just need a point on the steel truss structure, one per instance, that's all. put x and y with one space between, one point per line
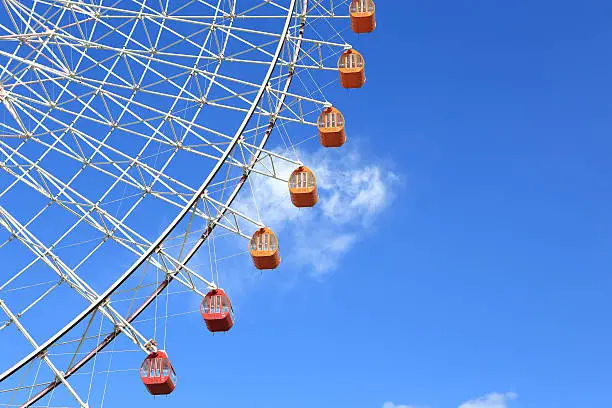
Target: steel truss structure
116 110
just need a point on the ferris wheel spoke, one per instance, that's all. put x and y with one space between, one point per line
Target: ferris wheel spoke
66 274
126 127
9 13
30 63
91 17
24 387
37 58
112 96
93 140
265 158
87 208
298 98
59 375
90 100
58 58
83 210
326 8
53 188
145 50
10 106
115 126
318 42
289 114
140 185
33 303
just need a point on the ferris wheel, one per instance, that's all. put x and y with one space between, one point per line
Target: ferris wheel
133 134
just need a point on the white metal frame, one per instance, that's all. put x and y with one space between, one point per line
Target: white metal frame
19 166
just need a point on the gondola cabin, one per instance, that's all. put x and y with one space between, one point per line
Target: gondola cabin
303 187
216 310
351 67
363 19
264 249
331 128
157 374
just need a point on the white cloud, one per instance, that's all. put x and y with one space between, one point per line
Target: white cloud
322 250
392 405
355 193
352 192
493 400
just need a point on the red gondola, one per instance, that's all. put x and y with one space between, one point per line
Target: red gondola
217 312
157 374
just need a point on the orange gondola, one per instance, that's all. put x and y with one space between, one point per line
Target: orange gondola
303 187
264 249
157 374
351 67
363 19
331 128
216 310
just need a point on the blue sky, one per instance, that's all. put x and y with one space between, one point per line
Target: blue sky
488 272
473 272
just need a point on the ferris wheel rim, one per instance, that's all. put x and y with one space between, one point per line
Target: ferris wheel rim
291 14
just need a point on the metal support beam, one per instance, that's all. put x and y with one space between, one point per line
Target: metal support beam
58 374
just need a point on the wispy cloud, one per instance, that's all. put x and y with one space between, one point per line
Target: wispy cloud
392 405
493 400
352 192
